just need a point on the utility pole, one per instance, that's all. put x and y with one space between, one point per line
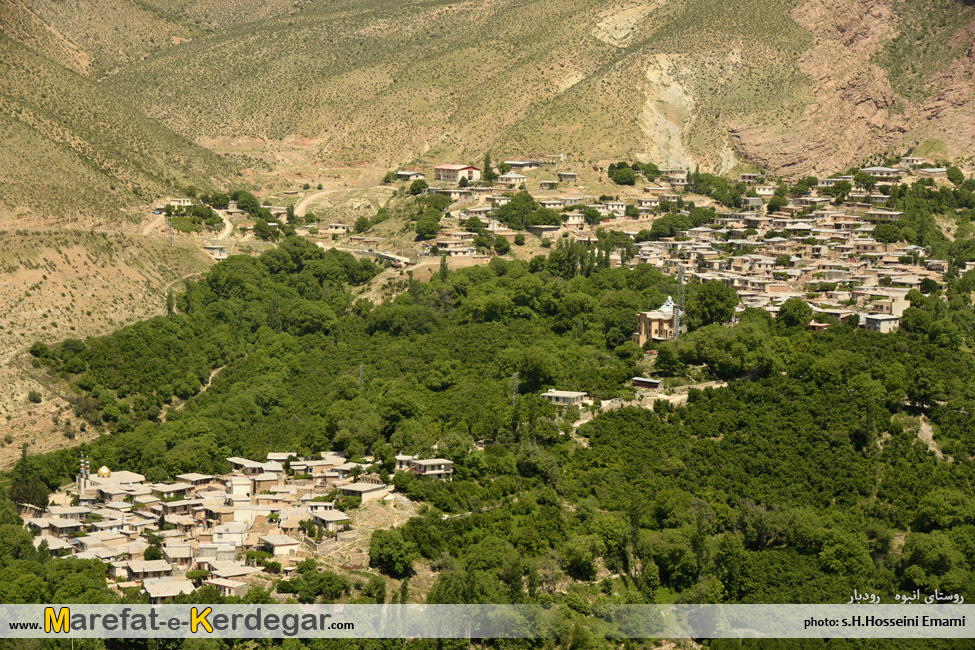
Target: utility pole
360 376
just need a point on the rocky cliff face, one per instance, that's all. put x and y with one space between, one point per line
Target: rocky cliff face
854 110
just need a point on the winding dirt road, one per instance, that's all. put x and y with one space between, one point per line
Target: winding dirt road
302 206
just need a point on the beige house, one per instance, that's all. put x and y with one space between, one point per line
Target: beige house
410 176
228 587
147 569
880 322
279 545
453 173
440 468
331 520
365 491
657 325
160 591
564 397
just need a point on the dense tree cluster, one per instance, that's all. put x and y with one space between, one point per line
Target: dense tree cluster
792 484
523 211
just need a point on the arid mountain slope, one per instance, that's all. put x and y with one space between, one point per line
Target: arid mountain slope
873 92
72 284
794 86
72 148
92 37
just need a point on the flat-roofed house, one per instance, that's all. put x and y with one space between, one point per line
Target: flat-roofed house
751 203
170 490
410 176
238 486
56 526
216 552
109 525
331 520
264 481
911 161
567 177
233 533
279 545
145 569
194 479
56 547
403 462
523 164
511 180
454 193
161 591
439 468
345 469
70 512
102 538
880 322
564 397
281 456
365 491
245 466
884 173
883 216
179 556
180 506
453 173
228 587
231 570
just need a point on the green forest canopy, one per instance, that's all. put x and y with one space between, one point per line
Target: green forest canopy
796 483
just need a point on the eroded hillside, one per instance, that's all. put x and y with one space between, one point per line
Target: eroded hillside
72 150
72 284
794 86
95 93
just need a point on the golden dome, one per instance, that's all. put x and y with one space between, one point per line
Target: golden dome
104 472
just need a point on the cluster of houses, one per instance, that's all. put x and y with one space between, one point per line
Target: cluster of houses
810 248
207 524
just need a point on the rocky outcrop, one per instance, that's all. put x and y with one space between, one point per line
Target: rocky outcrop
855 110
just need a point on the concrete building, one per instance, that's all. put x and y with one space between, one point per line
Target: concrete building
440 468
453 173
564 397
657 325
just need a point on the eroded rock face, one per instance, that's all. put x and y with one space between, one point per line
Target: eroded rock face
854 109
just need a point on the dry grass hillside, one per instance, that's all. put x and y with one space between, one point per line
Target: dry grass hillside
71 148
92 37
72 284
791 84
93 94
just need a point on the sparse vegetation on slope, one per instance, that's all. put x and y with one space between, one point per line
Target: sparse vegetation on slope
70 146
932 34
